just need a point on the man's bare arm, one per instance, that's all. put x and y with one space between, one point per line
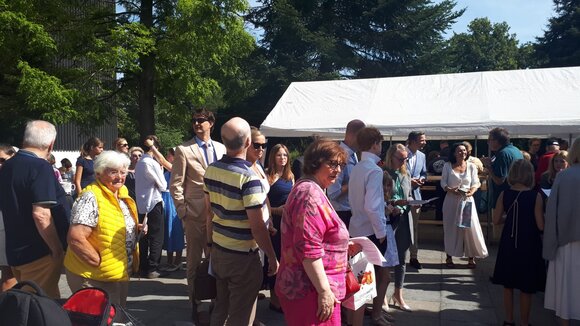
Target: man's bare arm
45 225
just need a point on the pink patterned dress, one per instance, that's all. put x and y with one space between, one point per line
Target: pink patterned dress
310 229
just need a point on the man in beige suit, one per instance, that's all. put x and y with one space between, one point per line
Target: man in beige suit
186 186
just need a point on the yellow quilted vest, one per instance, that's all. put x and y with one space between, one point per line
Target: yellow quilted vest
108 238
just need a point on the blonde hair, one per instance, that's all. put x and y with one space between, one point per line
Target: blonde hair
398 147
551 170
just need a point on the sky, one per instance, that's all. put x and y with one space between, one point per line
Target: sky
526 18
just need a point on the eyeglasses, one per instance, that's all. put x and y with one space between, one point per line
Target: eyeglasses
200 120
258 145
335 164
116 173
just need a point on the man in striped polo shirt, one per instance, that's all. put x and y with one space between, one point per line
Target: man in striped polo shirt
236 228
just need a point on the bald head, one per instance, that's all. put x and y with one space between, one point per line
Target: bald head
352 128
236 134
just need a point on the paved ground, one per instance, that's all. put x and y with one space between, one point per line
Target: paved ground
438 295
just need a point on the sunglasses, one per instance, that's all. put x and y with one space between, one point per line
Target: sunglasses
335 164
200 120
401 159
124 145
260 146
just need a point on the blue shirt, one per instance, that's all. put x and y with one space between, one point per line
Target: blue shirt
26 180
340 200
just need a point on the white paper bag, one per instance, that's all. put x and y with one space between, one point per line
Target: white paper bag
365 273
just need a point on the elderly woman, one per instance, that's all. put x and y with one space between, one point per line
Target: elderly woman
460 182
402 225
562 241
103 234
311 276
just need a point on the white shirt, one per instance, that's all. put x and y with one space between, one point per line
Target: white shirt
366 198
149 183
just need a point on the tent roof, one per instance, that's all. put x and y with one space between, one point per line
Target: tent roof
526 102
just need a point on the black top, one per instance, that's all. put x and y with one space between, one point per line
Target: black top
25 180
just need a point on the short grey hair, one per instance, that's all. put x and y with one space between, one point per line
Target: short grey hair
111 160
39 134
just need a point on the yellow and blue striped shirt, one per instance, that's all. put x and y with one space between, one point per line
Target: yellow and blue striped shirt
233 187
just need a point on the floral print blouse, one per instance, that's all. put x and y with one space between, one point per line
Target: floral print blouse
311 229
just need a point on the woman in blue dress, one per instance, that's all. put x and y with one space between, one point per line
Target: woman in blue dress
281 180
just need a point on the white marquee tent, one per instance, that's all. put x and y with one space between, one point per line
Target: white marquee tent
526 102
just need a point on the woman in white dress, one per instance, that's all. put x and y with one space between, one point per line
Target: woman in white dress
562 241
460 181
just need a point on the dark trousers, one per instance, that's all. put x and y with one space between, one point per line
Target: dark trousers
345 217
150 246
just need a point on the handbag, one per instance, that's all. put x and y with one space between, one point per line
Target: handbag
464 214
352 284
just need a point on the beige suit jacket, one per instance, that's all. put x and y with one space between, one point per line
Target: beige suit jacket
186 184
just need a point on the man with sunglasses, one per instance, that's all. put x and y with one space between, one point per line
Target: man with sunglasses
338 191
186 186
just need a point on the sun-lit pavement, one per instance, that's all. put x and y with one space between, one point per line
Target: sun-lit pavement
438 295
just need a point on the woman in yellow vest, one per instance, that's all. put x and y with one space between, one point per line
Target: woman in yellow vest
102 239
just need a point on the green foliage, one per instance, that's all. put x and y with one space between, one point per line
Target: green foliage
44 95
485 47
560 45
48 66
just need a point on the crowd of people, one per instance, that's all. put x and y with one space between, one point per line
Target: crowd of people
267 226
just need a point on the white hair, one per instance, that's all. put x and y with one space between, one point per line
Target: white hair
39 134
111 160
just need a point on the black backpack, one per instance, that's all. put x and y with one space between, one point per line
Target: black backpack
22 308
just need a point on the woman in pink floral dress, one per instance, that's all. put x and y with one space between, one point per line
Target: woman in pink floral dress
315 246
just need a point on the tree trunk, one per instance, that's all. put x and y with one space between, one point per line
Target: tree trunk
146 79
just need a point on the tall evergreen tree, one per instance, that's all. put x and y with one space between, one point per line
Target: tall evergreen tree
329 39
560 45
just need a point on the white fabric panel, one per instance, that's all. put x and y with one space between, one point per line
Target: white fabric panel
526 102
